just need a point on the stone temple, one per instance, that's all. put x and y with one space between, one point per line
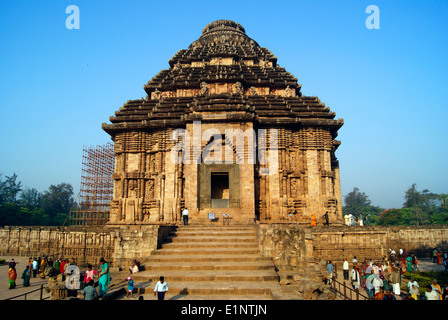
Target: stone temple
224 130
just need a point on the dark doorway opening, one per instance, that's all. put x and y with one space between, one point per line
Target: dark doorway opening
220 192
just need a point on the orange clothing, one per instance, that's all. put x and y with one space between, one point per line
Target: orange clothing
313 220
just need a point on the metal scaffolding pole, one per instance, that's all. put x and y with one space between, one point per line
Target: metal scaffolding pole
92 205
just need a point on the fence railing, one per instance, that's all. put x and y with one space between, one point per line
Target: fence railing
346 292
41 289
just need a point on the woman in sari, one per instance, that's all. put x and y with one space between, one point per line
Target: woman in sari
436 287
313 220
12 274
409 264
26 275
104 276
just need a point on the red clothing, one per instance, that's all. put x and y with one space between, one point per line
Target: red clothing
89 275
61 267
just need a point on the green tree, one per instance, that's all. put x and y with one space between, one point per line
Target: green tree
9 189
30 198
58 199
355 202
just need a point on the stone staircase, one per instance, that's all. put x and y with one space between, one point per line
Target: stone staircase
211 262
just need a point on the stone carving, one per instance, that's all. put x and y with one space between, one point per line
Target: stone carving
238 88
204 89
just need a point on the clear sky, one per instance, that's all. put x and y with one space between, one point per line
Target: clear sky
390 85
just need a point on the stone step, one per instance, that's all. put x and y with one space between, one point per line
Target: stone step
208 245
222 290
215 233
205 251
207 265
207 276
205 258
211 238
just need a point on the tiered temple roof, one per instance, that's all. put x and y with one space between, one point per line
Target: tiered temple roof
223 71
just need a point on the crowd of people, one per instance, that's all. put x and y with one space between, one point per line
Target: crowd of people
383 280
74 280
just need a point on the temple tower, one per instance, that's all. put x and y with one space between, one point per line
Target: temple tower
224 130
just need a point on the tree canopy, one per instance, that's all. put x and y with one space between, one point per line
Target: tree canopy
23 206
419 208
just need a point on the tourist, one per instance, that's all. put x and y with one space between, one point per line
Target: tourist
62 266
12 275
104 276
345 269
130 289
89 292
439 257
431 294
42 267
89 274
347 220
414 292
26 275
57 264
411 283
369 285
313 220
35 266
355 278
380 294
395 281
434 256
445 291
185 216
326 223
445 264
436 287
415 263
409 264
135 266
377 283
12 263
389 296
161 289
330 272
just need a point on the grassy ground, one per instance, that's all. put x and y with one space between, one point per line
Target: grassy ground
424 278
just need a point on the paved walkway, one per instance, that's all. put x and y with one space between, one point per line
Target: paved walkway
35 283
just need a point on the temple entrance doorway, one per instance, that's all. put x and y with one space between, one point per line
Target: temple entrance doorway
220 190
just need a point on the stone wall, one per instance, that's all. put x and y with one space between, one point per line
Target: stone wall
295 248
117 244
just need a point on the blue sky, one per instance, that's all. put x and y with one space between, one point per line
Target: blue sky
389 85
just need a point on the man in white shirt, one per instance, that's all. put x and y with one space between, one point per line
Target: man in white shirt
411 283
345 269
431 294
185 216
161 288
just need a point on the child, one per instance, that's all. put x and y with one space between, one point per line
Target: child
130 287
89 274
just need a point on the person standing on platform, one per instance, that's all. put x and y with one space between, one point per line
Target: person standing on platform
185 216
345 269
313 220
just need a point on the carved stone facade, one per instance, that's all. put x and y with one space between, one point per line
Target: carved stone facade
179 146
